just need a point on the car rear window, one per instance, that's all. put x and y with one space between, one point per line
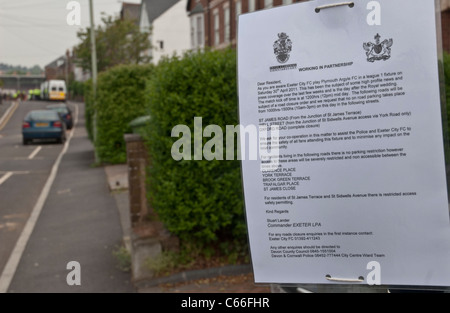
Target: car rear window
61 110
42 116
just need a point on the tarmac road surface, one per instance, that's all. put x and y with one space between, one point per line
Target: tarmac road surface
78 220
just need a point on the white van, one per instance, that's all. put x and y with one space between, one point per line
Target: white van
56 90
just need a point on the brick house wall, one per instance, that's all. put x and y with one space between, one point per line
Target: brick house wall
55 72
216 9
445 21
211 8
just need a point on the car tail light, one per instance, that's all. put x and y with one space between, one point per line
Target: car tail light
26 125
57 124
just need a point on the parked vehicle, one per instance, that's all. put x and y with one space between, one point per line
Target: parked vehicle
64 111
43 124
44 90
54 90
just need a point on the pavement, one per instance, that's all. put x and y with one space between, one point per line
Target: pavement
227 279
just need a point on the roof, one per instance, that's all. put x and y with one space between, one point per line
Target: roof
55 63
156 8
188 5
130 11
197 9
445 4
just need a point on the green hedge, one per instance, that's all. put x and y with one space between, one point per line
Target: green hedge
76 90
199 201
120 99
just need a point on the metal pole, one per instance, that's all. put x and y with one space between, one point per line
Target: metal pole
94 75
67 74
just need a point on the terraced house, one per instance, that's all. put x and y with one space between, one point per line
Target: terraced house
213 23
445 19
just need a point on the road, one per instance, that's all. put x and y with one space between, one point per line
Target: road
75 217
21 178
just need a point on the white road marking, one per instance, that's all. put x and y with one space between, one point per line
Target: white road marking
61 192
9 226
33 154
16 172
26 158
14 216
5 177
14 259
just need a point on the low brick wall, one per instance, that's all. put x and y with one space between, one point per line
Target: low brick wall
137 160
149 237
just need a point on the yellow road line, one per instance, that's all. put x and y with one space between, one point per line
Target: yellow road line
9 113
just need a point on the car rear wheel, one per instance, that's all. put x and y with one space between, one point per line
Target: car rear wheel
25 141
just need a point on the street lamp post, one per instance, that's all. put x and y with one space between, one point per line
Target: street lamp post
94 74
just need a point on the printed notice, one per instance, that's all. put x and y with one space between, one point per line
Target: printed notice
350 99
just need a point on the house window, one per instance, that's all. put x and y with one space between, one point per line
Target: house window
238 8
251 5
216 28
197 37
268 3
287 2
227 24
199 32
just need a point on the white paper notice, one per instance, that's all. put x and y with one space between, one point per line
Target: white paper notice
359 187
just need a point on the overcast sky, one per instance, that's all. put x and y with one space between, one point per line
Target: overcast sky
35 32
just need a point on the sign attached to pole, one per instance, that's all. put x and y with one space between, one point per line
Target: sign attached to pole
348 96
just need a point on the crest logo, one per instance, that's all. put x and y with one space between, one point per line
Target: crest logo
282 48
378 50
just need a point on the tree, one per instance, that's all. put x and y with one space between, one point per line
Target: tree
118 42
36 70
21 70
